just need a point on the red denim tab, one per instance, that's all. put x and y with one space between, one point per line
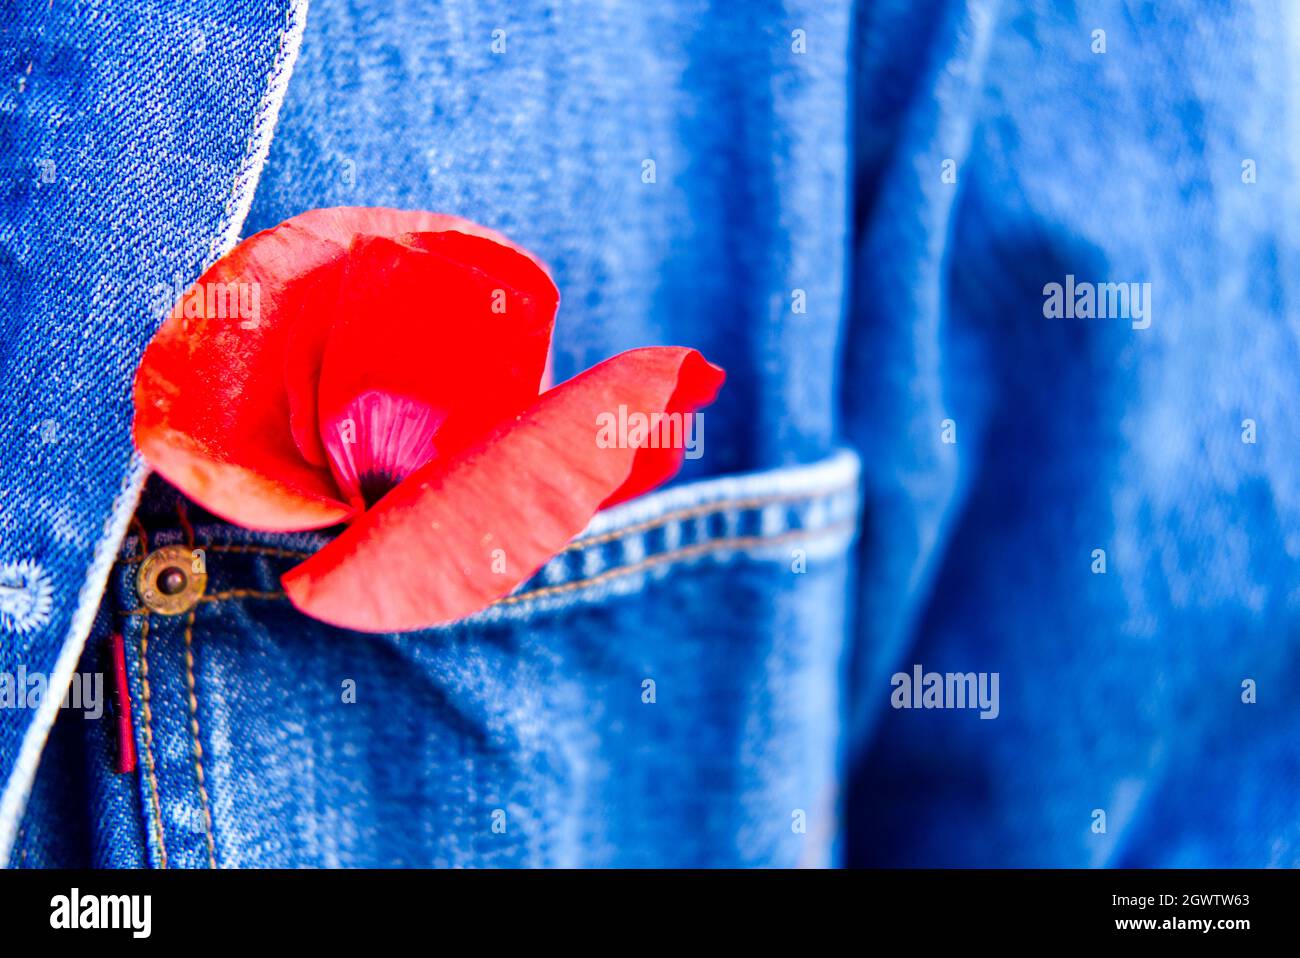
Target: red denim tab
125 762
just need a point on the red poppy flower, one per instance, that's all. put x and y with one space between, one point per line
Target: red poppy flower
384 369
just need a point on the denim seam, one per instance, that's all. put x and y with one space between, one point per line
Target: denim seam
147 712
193 702
148 740
734 543
705 509
686 553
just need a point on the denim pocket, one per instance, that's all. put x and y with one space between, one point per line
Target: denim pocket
666 691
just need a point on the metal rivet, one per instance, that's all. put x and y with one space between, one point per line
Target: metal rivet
168 582
171 580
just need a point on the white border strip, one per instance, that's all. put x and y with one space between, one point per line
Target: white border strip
19 786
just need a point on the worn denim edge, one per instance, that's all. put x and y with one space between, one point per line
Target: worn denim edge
235 211
838 470
813 505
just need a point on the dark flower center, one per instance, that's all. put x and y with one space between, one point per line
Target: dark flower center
376 485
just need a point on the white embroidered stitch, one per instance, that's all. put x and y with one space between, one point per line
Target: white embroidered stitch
26 596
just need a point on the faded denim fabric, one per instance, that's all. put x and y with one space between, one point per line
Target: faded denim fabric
1121 693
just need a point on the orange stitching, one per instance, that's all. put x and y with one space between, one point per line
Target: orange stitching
148 738
705 509
687 552
241 594
240 547
194 731
215 597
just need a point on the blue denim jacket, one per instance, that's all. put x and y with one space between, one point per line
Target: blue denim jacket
856 213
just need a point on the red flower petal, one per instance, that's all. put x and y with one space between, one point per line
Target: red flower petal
428 337
433 347
211 412
659 461
307 334
226 405
428 552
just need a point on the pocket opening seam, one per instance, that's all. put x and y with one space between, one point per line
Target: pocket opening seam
668 518
685 553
